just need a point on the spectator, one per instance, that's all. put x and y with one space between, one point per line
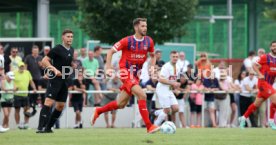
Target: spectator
46 50
33 65
221 99
158 55
248 62
249 86
151 86
238 82
191 74
23 79
15 59
101 73
77 66
180 97
196 103
7 98
211 84
78 100
182 62
221 66
203 66
112 85
144 77
83 54
5 60
91 67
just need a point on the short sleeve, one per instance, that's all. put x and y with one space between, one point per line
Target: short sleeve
151 48
30 76
165 72
120 45
53 52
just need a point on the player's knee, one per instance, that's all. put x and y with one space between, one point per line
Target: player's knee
142 96
175 109
60 107
121 105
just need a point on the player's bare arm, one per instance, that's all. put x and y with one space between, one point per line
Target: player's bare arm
108 66
47 64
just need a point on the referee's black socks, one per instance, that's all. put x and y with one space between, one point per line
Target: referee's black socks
43 117
53 118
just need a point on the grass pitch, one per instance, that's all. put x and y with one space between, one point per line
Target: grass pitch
129 136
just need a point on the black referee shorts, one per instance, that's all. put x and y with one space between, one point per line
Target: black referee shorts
57 89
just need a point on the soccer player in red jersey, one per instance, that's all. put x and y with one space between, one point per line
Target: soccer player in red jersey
265 68
134 53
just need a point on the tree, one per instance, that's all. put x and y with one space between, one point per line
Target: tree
270 10
111 20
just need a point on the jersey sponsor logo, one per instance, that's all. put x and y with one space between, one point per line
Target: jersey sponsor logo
138 56
272 69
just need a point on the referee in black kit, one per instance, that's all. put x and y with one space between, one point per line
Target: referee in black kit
59 57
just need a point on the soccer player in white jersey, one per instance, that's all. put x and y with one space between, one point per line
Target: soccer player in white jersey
164 90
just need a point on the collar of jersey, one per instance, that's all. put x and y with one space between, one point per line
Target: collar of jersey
138 39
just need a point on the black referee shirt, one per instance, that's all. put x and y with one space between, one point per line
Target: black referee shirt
61 57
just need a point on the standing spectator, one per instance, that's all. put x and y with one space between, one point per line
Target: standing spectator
196 103
33 65
101 75
248 62
23 79
151 86
182 62
83 54
191 74
203 66
78 100
145 76
112 85
180 97
76 69
15 59
7 98
5 60
221 100
46 50
221 67
91 67
211 84
158 55
249 86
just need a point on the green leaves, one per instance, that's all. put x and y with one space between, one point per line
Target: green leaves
111 20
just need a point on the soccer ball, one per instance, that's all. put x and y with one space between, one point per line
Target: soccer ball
168 127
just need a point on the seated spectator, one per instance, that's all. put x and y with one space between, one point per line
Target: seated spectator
7 98
78 100
112 85
180 97
211 84
23 79
196 103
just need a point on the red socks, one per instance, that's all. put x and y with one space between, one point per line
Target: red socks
272 110
144 112
108 107
250 110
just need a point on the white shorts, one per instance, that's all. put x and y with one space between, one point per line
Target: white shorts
181 105
165 98
209 105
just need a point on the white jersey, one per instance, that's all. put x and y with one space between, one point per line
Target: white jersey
164 92
169 72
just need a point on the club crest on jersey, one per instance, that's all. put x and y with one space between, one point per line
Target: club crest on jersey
145 47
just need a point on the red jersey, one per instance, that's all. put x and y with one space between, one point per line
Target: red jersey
134 52
268 67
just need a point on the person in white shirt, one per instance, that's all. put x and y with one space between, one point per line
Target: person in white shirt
182 63
164 90
144 77
248 62
248 88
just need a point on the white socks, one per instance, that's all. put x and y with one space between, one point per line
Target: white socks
161 117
